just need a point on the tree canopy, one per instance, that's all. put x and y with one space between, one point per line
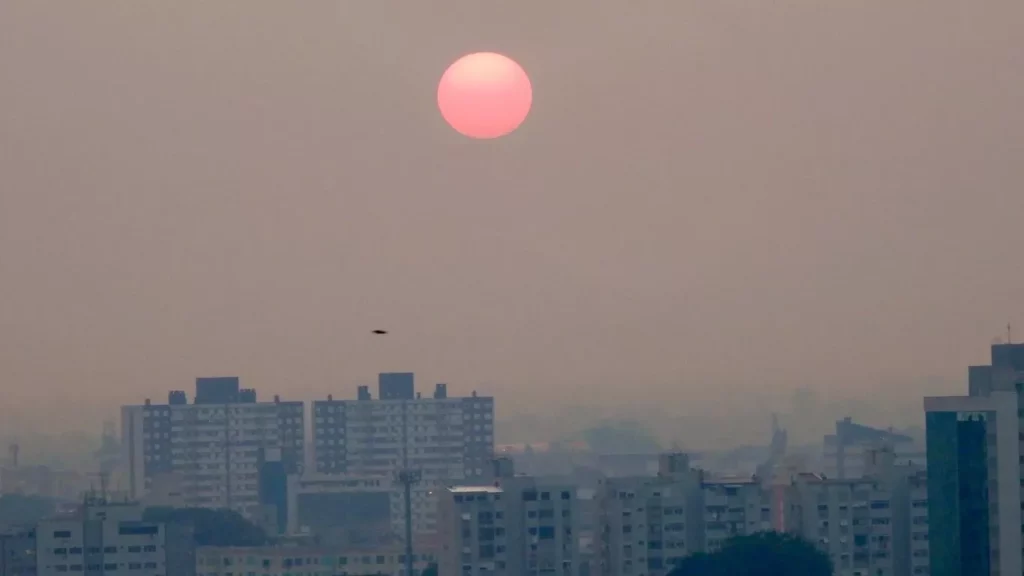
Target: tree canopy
429 570
762 554
211 527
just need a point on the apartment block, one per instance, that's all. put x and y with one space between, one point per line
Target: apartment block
445 439
212 447
519 525
649 523
732 508
105 538
875 525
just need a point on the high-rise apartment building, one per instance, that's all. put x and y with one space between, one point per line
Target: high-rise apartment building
214 446
445 439
517 525
874 525
647 524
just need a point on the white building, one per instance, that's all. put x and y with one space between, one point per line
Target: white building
520 525
447 440
112 539
212 447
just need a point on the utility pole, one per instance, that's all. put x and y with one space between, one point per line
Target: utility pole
407 478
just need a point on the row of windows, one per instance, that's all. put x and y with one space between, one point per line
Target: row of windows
74 551
105 567
291 562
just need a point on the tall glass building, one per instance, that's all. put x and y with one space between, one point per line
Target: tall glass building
974 484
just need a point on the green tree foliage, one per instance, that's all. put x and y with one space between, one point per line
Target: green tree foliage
762 554
429 570
19 510
211 527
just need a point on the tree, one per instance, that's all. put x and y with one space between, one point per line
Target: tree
211 527
430 570
762 554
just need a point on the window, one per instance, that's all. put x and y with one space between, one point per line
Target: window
62 534
128 530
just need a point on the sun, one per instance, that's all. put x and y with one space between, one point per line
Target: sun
485 95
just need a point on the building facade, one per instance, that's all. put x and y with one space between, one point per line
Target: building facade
445 439
108 538
918 563
519 525
647 524
850 520
18 553
732 508
974 483
295 561
213 447
336 507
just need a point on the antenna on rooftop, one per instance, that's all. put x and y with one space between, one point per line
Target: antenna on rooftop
1009 333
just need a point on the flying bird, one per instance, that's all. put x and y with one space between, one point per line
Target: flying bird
380 331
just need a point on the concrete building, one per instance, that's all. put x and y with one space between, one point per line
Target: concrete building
974 481
866 525
732 508
304 561
649 523
214 446
519 525
18 553
850 520
445 439
107 538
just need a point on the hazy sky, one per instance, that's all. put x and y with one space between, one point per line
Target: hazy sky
709 199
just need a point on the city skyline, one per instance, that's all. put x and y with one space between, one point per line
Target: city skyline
753 200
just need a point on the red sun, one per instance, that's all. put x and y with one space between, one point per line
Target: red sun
484 95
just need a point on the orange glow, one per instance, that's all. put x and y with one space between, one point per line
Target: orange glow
484 95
